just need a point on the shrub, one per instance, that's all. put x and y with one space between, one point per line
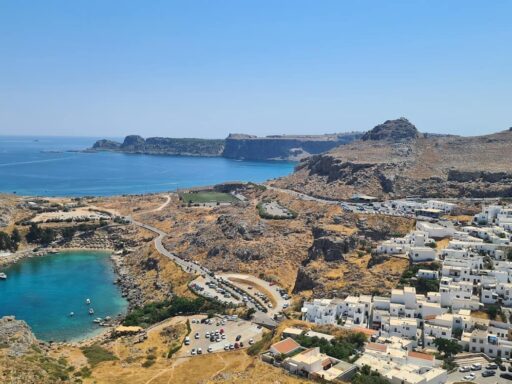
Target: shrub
96 354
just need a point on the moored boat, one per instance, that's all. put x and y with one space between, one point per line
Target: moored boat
3 276
91 311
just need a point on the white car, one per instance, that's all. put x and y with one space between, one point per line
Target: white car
226 347
465 369
196 336
251 341
193 352
207 335
470 377
210 349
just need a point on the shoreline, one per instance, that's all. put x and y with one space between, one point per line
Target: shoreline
102 333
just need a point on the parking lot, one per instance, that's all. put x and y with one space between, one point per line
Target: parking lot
457 377
218 292
229 328
264 291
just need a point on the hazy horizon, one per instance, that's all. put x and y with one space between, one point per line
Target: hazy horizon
207 69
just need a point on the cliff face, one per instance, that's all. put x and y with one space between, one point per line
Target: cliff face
395 160
236 146
282 147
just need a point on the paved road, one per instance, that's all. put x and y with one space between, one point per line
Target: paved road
187 266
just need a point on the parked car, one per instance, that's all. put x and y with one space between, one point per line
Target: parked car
251 341
210 349
492 366
226 347
506 376
502 368
470 377
238 337
187 340
196 336
465 368
488 373
193 351
476 367
199 351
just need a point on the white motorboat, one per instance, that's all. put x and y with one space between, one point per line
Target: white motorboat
97 320
87 301
91 311
71 314
3 276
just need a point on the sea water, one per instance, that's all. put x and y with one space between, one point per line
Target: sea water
45 166
44 290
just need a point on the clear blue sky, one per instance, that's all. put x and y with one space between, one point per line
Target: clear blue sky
206 68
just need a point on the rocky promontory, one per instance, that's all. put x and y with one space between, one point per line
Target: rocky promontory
163 146
235 146
395 160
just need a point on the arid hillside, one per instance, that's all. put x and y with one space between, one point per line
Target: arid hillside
395 160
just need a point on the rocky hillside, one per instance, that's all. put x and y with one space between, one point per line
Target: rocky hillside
25 360
283 147
395 160
236 146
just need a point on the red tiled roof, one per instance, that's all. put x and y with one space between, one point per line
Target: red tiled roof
376 347
419 355
286 346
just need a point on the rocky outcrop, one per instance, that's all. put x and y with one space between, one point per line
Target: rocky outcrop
233 227
304 281
393 130
106 145
329 245
282 147
16 336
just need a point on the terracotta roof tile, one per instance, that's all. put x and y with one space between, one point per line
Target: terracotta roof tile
286 346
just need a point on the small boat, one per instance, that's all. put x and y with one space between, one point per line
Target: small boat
87 301
91 311
3 276
108 318
97 320
71 314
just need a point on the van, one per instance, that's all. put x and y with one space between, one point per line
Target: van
187 340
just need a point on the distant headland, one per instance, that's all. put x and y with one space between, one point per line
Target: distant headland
235 146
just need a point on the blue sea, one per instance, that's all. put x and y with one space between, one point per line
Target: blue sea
44 290
44 166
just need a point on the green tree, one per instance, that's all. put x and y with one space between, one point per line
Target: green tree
34 233
5 241
68 233
493 311
15 237
367 376
447 347
47 236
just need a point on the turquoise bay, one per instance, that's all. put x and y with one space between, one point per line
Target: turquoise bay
44 290
44 166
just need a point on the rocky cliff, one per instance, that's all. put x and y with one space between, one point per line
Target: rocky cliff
284 147
395 160
236 146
